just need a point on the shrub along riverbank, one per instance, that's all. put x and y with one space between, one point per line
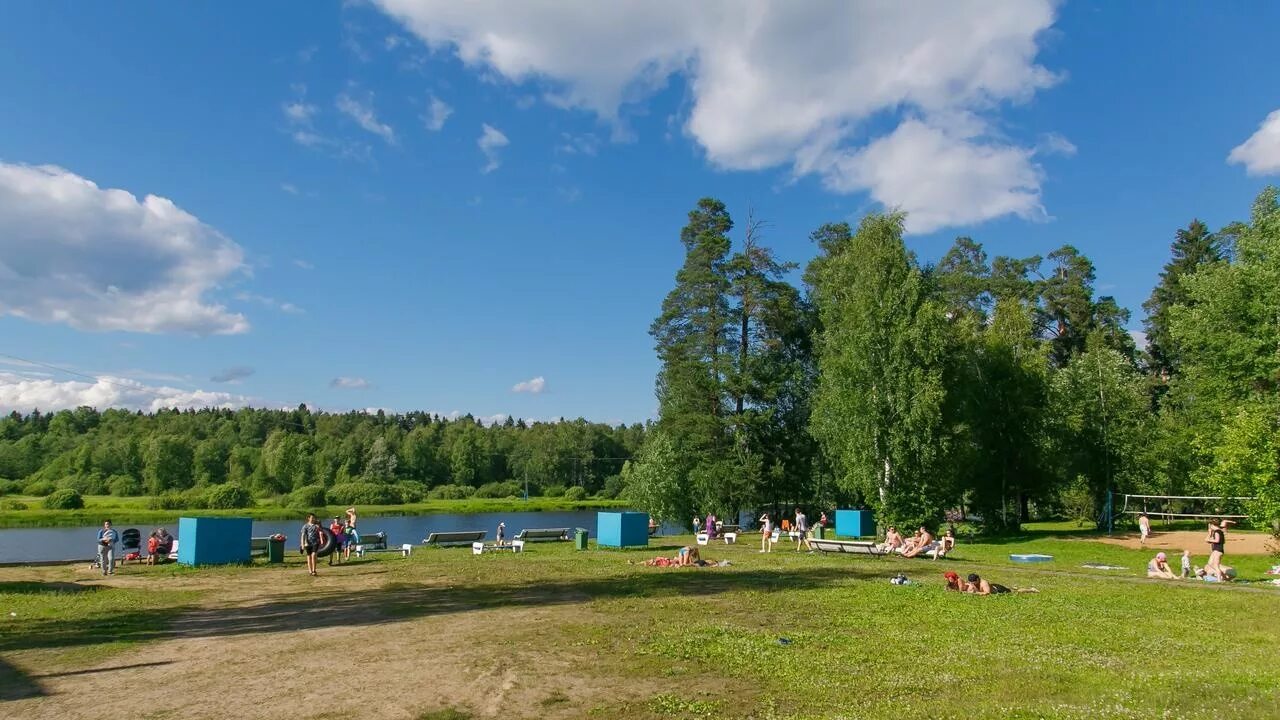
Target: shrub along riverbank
141 510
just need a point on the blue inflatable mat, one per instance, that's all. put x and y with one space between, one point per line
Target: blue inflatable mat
1031 558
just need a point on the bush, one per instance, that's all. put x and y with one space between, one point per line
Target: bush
411 491
193 499
553 491
451 492
64 499
363 493
10 487
614 485
509 488
8 504
307 497
39 488
124 486
228 497
575 493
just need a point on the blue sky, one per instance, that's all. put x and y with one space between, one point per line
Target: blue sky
418 205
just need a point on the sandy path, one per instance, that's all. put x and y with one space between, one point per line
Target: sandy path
1238 543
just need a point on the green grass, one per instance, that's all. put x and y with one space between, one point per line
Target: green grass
774 635
135 510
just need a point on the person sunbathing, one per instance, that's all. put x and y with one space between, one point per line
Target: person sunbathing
685 557
953 581
979 586
1158 567
892 540
924 542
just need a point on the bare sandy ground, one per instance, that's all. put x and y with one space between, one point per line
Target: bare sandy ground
1238 543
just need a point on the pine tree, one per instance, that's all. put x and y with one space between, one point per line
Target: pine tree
1193 248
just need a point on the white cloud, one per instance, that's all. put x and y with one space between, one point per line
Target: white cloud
941 177
349 383
1055 144
776 83
299 112
304 264
438 111
491 140
1260 154
233 375
289 188
363 114
25 394
102 259
285 307
585 144
534 386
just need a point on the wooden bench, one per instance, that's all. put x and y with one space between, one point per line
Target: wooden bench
478 548
258 546
855 547
450 539
543 534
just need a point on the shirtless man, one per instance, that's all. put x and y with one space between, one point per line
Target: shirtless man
924 543
892 540
1144 528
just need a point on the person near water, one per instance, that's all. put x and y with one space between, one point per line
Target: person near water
1158 567
802 527
710 527
501 534
766 530
1217 540
309 542
1144 528
159 545
107 539
338 531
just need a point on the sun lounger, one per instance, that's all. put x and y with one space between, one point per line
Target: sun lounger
543 534
449 539
854 547
478 548
791 535
729 537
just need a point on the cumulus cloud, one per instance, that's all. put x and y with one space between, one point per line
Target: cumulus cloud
349 383
438 111
491 140
534 386
102 259
363 114
783 84
1260 154
233 374
25 394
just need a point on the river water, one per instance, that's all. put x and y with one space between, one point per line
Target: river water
54 544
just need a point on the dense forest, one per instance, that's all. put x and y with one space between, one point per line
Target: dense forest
994 388
224 458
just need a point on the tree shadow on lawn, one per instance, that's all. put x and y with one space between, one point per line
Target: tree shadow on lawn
338 608
16 685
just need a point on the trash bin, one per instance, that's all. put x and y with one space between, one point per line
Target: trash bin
820 532
275 549
580 539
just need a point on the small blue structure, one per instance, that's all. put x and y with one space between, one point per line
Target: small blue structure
1031 558
622 529
855 523
214 541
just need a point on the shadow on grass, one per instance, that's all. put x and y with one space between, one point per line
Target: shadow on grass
16 685
338 608
25 587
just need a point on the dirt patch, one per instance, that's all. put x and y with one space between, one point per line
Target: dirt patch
1238 543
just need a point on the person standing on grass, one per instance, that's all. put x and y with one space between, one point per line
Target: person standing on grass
351 516
802 527
710 527
107 539
339 538
766 530
309 542
1144 528
1186 564
1217 539
502 534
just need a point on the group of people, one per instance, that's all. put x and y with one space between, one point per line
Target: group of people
977 585
922 542
1213 571
159 545
344 535
799 526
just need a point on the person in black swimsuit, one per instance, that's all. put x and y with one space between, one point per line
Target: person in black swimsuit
1217 539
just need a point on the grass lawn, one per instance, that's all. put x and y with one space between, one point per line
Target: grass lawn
554 633
134 510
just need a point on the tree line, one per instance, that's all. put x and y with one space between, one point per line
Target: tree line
308 457
992 388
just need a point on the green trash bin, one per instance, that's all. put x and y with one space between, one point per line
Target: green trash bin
820 532
580 539
275 550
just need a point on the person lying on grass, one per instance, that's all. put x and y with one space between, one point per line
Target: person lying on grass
953 581
1222 573
685 557
1158 567
979 586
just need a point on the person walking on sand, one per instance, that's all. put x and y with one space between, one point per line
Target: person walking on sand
107 539
766 530
309 542
1144 528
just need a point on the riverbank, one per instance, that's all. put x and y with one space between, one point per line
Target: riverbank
124 511
553 633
